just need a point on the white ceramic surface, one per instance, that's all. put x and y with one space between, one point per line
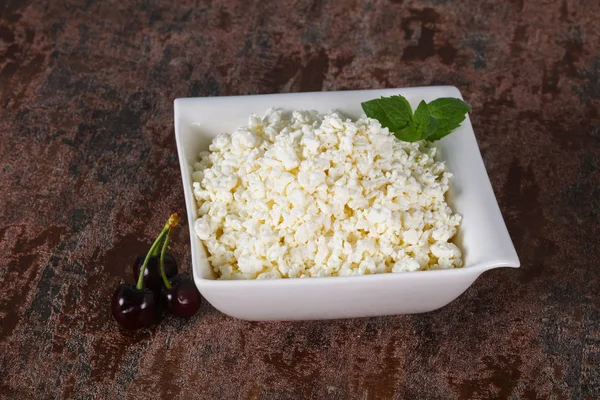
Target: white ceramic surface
482 235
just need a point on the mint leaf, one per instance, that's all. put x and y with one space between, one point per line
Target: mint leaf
449 113
397 109
421 118
431 121
392 112
423 122
373 110
431 128
408 134
422 113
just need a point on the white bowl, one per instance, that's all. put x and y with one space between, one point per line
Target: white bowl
482 235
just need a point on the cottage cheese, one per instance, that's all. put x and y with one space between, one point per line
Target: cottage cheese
307 195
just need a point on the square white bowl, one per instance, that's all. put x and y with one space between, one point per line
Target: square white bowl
482 236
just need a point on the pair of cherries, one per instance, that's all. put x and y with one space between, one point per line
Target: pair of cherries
158 286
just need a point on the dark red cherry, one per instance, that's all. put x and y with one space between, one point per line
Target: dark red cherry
134 309
183 299
152 278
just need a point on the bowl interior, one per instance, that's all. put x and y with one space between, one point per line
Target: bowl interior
482 236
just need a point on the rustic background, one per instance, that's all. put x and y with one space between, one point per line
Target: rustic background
89 172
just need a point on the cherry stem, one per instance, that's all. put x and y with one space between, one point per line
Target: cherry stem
162 260
155 253
173 220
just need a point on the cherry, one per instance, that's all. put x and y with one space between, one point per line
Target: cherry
152 276
133 308
182 298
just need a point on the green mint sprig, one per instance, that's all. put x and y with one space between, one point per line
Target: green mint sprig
430 121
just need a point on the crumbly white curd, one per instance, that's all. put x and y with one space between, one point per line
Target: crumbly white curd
309 195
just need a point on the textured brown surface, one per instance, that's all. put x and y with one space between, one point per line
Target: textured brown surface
89 172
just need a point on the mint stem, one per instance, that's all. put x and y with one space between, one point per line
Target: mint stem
162 259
